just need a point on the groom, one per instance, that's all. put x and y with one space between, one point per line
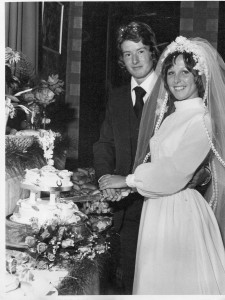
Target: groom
114 152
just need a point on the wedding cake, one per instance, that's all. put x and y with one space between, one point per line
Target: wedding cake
42 212
48 177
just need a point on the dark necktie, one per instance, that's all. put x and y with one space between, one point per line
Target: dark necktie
140 92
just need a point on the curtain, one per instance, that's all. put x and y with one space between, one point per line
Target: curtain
21 28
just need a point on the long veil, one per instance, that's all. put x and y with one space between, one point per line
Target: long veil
214 84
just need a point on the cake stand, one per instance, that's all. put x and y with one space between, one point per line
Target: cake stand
35 192
16 232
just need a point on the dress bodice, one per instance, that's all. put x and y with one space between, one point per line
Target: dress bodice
177 150
167 138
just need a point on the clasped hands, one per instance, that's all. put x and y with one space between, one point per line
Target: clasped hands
114 187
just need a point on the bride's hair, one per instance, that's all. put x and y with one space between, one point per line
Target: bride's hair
190 63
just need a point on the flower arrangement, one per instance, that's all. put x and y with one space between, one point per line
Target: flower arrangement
58 243
67 253
45 92
11 104
39 97
11 57
35 99
11 101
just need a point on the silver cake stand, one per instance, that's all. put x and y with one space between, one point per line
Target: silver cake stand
35 192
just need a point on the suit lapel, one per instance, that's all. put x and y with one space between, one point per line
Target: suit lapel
124 106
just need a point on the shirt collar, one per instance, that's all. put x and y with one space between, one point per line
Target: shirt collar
147 84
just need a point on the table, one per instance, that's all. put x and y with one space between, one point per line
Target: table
44 282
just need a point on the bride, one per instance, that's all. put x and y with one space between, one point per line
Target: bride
180 248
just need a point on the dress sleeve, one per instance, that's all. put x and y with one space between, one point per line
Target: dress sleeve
169 175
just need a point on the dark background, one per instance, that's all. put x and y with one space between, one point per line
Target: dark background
99 68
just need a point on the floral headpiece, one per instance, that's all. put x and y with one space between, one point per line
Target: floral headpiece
182 44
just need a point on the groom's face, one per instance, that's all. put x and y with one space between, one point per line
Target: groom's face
137 59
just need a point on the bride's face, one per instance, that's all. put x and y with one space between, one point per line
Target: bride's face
181 82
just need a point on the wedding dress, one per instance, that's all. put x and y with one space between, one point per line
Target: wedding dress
180 250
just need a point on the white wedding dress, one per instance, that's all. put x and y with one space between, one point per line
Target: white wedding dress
180 250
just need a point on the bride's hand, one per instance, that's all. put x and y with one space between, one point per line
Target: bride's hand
111 195
112 182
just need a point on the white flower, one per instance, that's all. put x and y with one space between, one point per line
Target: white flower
9 108
51 162
182 44
46 140
11 56
46 121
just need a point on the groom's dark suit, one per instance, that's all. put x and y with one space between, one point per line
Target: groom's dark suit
114 153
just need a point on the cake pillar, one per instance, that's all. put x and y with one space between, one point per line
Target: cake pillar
53 198
33 197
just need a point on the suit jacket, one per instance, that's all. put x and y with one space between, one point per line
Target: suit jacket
115 150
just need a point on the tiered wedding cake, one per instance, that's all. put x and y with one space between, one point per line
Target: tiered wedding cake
47 179
42 212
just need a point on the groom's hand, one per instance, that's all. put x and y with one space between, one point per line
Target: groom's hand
200 178
116 194
111 195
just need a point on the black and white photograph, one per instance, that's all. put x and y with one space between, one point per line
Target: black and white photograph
114 150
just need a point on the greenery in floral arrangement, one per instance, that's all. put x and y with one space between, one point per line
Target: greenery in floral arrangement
80 273
19 69
26 153
44 93
40 96
56 241
74 247
17 160
11 100
23 86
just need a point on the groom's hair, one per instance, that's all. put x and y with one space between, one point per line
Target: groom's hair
136 32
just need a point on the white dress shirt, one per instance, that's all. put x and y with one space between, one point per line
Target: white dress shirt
147 85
